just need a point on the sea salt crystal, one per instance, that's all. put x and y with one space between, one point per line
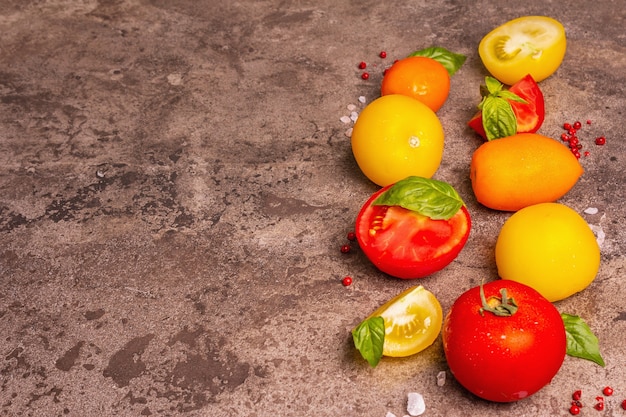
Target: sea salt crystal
345 119
362 99
351 107
348 132
353 116
390 414
441 378
415 405
591 210
600 235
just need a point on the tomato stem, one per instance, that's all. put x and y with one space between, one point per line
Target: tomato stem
502 307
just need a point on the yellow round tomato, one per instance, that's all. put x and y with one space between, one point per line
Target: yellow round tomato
550 248
395 137
532 45
412 322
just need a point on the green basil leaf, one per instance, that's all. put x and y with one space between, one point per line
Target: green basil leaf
507 95
581 342
493 86
426 196
369 338
498 118
450 60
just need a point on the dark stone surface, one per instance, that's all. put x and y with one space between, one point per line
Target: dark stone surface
175 185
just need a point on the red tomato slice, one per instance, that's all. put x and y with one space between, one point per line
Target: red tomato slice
405 244
529 115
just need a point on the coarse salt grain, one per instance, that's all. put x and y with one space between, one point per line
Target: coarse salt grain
348 132
390 414
599 233
441 378
351 107
591 210
415 405
362 99
345 119
353 116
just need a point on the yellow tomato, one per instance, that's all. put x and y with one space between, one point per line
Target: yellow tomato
395 137
550 248
412 322
532 45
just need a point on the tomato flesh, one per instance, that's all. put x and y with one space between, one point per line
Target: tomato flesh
527 45
408 245
529 115
504 359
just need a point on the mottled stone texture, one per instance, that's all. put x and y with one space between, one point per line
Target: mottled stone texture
175 184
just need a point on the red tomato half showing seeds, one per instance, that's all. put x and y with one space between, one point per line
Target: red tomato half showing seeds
406 244
529 115
509 357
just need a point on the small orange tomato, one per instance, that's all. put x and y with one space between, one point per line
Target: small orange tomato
419 77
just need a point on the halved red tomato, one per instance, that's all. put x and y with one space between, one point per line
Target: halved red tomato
529 115
406 244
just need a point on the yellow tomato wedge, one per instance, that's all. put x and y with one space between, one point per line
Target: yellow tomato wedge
532 45
412 322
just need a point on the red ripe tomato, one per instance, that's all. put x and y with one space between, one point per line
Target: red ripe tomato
529 115
406 244
504 358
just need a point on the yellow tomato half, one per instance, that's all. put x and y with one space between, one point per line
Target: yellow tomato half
532 45
412 322
396 137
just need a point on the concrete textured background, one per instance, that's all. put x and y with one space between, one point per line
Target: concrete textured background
175 185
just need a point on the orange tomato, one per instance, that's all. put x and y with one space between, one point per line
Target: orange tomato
421 78
511 173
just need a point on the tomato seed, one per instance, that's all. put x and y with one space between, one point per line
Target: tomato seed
351 236
365 75
346 281
599 406
577 125
362 65
608 391
577 395
567 126
383 54
600 140
345 248
601 399
586 153
574 410
624 404
564 137
588 122
577 403
572 131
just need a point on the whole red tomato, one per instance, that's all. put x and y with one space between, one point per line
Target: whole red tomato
529 115
505 357
407 244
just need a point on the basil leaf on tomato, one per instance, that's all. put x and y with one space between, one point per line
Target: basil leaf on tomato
435 199
369 338
450 60
498 118
581 342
